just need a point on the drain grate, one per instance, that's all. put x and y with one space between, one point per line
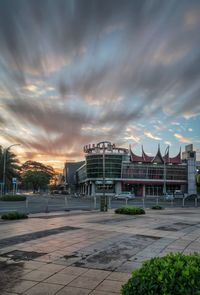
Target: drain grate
22 255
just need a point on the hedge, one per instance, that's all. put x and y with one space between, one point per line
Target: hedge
13 198
130 210
174 274
14 215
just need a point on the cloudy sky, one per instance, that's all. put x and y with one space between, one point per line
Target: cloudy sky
74 72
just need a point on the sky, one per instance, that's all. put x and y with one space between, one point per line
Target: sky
75 72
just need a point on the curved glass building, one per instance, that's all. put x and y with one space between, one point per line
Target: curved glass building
115 169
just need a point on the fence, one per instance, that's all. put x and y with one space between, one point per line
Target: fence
39 204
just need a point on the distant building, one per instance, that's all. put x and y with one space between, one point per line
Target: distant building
70 175
143 175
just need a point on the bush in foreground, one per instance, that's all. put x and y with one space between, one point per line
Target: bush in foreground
157 207
174 274
14 216
13 198
130 210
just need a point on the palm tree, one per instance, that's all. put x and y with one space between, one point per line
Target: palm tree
12 167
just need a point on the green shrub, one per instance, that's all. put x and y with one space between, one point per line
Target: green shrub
174 274
157 207
13 198
130 210
14 215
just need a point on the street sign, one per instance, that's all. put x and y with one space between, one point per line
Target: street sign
14 180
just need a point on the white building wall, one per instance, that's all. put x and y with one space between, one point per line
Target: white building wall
192 176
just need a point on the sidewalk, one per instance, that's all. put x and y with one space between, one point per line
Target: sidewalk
90 252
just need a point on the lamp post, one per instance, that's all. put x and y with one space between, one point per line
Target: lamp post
164 186
4 166
103 202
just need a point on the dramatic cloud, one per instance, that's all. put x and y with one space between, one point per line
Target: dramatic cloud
183 139
74 72
150 135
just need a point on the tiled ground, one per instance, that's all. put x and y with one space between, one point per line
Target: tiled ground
89 253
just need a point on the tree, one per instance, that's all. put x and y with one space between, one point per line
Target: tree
37 166
36 175
37 179
12 167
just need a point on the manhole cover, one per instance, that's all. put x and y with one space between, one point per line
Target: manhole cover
174 227
22 255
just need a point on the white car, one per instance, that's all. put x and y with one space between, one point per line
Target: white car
168 197
124 195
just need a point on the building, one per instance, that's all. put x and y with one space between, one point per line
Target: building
69 172
144 175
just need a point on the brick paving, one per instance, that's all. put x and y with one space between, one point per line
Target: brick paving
90 253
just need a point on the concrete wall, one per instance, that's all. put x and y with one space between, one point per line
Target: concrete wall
192 189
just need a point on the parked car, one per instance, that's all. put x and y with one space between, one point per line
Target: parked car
191 197
178 194
55 192
168 196
124 195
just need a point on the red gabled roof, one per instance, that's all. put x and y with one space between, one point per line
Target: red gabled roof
147 159
135 158
176 159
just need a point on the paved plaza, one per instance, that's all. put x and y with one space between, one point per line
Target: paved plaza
88 252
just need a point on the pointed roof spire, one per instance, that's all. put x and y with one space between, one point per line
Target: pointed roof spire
135 158
145 157
176 159
158 158
166 155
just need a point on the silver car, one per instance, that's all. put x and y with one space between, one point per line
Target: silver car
124 196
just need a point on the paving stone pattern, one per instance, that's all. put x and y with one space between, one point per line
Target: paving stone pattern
33 236
111 254
22 255
89 253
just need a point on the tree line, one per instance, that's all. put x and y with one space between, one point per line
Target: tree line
30 175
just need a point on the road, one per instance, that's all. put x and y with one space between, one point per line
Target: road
38 203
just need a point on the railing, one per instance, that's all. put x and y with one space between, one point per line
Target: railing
47 203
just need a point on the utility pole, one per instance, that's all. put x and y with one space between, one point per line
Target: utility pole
164 185
104 203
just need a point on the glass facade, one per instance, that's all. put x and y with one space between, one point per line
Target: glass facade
81 173
94 165
142 171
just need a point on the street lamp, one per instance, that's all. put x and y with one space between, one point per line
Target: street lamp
103 203
164 186
4 166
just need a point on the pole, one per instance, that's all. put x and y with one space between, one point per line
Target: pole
164 185
4 171
103 209
66 203
27 212
95 202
